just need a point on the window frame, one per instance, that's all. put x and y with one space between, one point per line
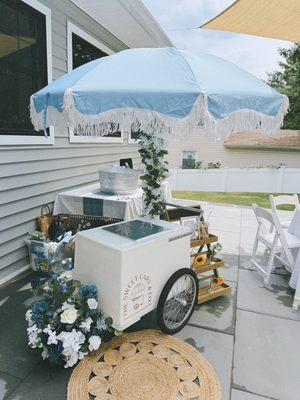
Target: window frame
74 29
190 151
94 139
34 139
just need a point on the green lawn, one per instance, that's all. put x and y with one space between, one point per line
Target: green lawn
240 199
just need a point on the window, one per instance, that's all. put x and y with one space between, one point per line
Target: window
83 48
189 159
134 136
84 51
25 67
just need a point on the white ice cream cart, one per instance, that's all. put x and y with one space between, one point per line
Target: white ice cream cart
139 265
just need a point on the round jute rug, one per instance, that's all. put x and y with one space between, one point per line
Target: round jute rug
146 365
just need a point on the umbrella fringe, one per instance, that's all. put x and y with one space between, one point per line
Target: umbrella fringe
127 119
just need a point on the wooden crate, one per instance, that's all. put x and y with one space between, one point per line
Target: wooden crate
220 290
206 240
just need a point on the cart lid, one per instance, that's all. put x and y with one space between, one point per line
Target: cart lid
135 229
134 232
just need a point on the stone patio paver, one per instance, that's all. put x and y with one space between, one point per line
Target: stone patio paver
7 384
43 383
218 314
276 299
216 348
240 395
267 355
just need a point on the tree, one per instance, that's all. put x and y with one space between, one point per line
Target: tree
287 81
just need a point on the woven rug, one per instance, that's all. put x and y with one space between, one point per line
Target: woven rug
146 365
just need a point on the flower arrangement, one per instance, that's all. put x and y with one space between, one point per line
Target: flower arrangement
65 323
214 251
152 152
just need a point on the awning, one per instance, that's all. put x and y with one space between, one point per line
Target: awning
277 19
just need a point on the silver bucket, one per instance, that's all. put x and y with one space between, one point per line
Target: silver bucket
119 180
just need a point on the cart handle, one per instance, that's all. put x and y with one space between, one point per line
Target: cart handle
195 210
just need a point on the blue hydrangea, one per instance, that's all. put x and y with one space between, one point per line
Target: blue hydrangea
54 277
63 288
55 350
88 291
39 311
35 283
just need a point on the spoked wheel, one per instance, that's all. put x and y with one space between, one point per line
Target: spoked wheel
177 301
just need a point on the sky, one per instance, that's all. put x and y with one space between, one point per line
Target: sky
178 18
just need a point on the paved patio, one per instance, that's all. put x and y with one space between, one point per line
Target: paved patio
251 337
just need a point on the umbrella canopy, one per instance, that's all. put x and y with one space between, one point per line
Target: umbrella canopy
162 90
277 19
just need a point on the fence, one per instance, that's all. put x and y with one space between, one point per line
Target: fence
282 180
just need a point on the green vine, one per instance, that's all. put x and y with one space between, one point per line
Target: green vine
152 152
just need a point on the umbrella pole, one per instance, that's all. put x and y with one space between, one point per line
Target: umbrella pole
152 151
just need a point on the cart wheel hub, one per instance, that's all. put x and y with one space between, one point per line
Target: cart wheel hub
182 302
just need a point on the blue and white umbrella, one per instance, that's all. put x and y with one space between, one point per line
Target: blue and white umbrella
164 91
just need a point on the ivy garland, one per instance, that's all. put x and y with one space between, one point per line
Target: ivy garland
152 152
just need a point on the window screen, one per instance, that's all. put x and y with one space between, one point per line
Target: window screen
23 64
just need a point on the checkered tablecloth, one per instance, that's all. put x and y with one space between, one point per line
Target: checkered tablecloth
89 200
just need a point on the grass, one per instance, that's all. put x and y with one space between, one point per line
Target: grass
240 199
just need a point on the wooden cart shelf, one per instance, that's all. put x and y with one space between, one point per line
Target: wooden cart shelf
212 290
209 266
203 241
206 294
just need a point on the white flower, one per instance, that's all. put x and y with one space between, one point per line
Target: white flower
82 354
69 315
86 324
46 288
52 338
66 306
45 353
92 303
28 317
72 342
71 357
33 336
94 343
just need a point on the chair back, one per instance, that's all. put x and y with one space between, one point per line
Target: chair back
261 215
291 199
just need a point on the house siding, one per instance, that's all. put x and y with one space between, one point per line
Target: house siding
31 176
209 150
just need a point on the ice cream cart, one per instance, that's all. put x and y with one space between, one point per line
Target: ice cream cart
138 266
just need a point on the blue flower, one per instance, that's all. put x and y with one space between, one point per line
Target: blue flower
39 310
49 313
63 288
54 277
89 291
101 324
55 350
35 283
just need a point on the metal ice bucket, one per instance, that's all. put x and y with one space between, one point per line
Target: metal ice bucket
119 180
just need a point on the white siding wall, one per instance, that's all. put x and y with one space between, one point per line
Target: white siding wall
215 151
32 175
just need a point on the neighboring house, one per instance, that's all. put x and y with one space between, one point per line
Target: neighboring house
244 149
40 41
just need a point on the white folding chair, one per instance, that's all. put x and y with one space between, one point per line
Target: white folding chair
282 200
279 242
